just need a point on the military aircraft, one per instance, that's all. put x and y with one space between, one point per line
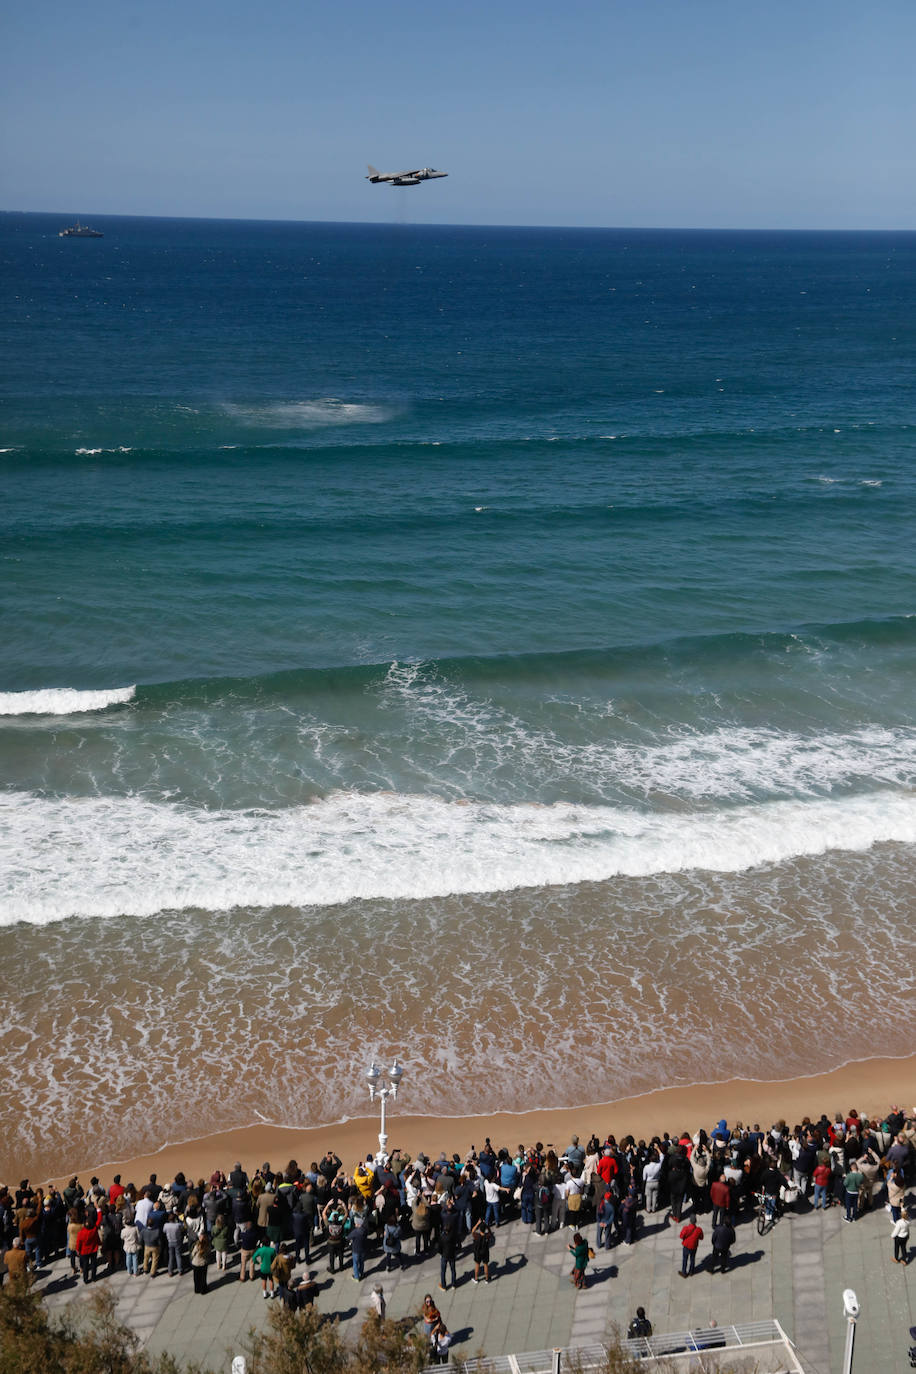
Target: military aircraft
404 178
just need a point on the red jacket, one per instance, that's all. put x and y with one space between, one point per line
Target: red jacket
607 1168
691 1235
720 1195
87 1241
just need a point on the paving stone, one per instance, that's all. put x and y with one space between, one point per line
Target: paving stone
796 1273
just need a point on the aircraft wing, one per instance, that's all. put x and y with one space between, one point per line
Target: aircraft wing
375 175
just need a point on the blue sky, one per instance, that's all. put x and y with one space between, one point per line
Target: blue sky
687 113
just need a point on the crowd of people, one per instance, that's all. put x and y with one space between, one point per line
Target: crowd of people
274 1220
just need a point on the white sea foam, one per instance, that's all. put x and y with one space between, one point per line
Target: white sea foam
106 856
91 452
61 701
326 410
481 738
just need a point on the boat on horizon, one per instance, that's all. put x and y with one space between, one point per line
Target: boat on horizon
80 231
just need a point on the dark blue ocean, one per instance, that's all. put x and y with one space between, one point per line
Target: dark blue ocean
541 601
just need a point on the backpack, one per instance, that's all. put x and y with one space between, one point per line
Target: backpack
544 1195
639 1326
335 1230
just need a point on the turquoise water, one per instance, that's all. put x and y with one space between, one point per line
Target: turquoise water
351 564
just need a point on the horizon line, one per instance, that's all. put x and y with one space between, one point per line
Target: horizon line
437 224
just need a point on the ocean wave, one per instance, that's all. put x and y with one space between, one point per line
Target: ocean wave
324 410
105 857
548 667
93 452
62 701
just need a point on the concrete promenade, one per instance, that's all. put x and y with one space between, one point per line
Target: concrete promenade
796 1273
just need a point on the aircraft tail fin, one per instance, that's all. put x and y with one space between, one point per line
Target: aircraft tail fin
373 171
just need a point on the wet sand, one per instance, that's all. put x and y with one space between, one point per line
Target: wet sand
872 1086
123 1034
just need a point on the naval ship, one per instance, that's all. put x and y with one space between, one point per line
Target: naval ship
80 231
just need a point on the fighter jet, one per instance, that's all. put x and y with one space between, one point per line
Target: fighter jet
404 178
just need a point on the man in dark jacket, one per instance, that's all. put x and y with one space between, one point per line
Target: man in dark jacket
238 1181
723 1238
449 1233
302 1218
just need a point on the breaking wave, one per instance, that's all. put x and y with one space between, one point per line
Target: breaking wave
102 856
62 701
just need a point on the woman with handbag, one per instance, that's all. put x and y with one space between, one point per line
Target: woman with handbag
580 1252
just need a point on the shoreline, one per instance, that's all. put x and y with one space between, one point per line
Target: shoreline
870 1085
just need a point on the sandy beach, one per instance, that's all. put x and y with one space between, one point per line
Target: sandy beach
871 1086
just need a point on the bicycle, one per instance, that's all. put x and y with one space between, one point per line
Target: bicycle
766 1211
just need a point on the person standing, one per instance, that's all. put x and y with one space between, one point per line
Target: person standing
173 1230
448 1243
579 1251
130 1239
262 1261
391 1242
482 1238
429 1315
220 1240
720 1195
606 1217
628 1216
248 1243
17 1265
852 1185
421 1222
690 1237
492 1192
723 1238
359 1242
201 1251
651 1177
281 1271
302 1220
896 1192
377 1305
640 1327
821 1176
149 1238
87 1247
679 1176
74 1226
440 1341
335 1218
901 1235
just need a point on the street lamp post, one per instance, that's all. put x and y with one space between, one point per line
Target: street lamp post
851 1312
373 1074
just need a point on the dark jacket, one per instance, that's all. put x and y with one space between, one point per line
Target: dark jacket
723 1236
